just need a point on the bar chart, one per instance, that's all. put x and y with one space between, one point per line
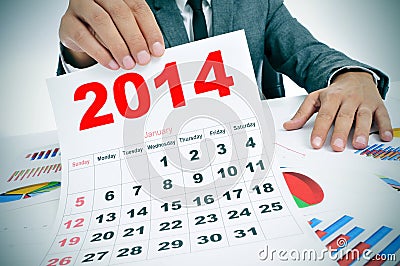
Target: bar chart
367 239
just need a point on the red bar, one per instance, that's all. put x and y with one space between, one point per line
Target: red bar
41 155
41 168
11 177
320 233
30 172
28 155
26 171
354 254
20 173
333 245
34 156
36 171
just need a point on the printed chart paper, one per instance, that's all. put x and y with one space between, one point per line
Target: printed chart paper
341 194
181 168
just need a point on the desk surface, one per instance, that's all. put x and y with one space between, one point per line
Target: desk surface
24 231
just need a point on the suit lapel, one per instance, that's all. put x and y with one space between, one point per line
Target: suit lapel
222 16
170 22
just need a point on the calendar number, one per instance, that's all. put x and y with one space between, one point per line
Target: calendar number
170 225
242 233
136 189
74 224
208 199
90 257
109 217
203 219
195 155
167 184
235 192
109 195
222 149
143 211
100 236
266 208
231 171
236 214
80 201
198 178
259 164
169 245
124 252
169 75
207 239
131 231
61 262
267 188
250 143
175 205
70 242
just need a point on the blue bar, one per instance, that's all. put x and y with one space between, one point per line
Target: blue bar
46 155
353 233
390 181
336 226
378 236
367 148
392 248
314 222
55 152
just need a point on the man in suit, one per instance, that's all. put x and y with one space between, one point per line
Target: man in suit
121 33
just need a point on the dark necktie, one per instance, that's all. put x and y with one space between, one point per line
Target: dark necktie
199 21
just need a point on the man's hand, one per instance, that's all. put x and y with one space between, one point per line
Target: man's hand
117 33
352 97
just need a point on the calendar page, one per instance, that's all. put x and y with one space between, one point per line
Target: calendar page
169 164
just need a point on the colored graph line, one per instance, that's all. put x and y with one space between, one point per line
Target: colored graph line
381 151
43 155
331 229
388 251
29 191
289 149
362 246
305 191
32 172
391 182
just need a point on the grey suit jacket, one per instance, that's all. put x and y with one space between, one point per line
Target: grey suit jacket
270 31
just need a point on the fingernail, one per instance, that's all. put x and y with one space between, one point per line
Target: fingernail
113 65
338 143
317 142
143 57
158 49
361 140
128 62
388 135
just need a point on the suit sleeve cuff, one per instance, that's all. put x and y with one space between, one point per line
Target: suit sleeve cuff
356 68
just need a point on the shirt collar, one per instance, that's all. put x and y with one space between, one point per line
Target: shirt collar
182 3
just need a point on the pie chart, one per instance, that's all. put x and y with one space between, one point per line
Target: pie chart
29 191
305 191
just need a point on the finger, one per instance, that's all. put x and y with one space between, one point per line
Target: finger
78 38
101 23
128 29
382 120
329 107
148 26
363 125
306 110
343 123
